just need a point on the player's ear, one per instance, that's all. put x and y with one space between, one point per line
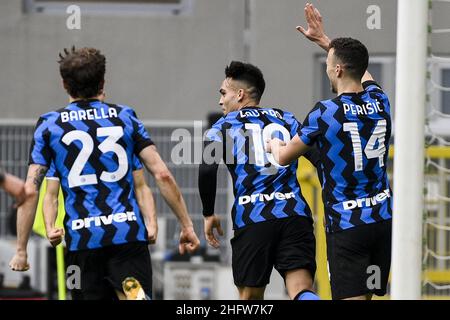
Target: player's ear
338 70
240 95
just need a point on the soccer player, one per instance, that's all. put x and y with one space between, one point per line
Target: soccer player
13 186
271 220
352 132
92 145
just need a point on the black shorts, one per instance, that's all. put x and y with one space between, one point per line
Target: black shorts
359 260
103 270
286 244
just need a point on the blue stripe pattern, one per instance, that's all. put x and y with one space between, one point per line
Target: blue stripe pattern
352 197
96 213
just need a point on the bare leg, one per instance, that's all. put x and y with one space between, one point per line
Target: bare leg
251 293
364 297
298 280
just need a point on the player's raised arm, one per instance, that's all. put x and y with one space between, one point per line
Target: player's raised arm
25 216
315 32
367 77
171 193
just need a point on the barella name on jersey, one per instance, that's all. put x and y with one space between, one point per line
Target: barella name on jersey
367 202
89 114
257 113
103 220
265 197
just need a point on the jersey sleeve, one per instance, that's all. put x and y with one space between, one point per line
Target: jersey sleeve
309 131
293 123
215 134
214 141
140 135
51 172
372 86
137 165
40 152
312 154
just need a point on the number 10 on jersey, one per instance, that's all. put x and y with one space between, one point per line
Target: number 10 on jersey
260 136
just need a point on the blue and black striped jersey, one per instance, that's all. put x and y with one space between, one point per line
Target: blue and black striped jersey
263 190
53 174
352 132
93 146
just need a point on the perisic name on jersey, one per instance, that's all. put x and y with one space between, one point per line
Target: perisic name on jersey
353 132
364 109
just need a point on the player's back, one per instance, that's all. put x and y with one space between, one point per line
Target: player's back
263 190
92 145
353 133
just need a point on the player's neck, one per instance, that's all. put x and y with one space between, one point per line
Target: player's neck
99 97
349 86
249 103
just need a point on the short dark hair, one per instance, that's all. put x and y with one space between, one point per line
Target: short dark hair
83 71
353 54
249 74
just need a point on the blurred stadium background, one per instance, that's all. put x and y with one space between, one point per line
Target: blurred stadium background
165 58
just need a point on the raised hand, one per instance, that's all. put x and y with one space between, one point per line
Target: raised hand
315 31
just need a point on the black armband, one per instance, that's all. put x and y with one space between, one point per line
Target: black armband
207 185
